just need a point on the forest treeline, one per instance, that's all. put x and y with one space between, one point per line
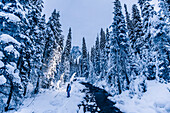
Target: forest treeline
33 56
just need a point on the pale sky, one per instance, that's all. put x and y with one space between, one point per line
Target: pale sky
85 17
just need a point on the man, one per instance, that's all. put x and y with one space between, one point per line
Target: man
68 90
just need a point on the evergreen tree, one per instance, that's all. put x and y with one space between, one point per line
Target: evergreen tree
102 53
52 50
55 26
148 57
75 61
84 61
130 26
97 57
107 47
66 57
107 53
161 42
12 26
92 57
31 45
138 30
119 49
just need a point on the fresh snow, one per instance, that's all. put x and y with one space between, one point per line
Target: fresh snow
1 55
1 64
2 80
72 77
54 101
10 49
155 100
155 4
5 38
11 69
10 16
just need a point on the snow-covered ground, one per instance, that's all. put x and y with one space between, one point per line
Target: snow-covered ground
155 100
54 101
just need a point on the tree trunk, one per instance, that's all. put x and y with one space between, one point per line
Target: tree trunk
37 85
25 90
117 73
10 97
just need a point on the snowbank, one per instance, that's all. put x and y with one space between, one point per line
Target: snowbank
54 101
155 100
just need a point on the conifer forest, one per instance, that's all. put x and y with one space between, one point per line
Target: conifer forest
127 70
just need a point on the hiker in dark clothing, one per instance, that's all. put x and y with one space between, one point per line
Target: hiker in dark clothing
68 90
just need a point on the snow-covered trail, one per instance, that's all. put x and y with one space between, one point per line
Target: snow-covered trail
55 101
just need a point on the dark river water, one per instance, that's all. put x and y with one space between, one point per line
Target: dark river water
96 101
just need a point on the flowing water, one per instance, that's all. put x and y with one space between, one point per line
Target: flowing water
96 101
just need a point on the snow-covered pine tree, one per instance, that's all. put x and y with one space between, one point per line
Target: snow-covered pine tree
97 57
138 30
75 61
52 52
148 57
55 26
135 44
13 24
66 58
12 89
130 26
22 37
92 55
92 74
107 47
161 42
119 50
102 53
84 61
40 51
107 51
37 36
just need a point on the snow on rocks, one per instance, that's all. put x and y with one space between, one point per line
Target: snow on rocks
155 100
54 101
2 80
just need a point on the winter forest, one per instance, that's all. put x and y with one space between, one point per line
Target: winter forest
130 60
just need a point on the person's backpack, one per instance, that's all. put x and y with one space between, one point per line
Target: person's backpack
69 88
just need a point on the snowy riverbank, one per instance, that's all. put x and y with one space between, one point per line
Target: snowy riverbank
54 101
155 100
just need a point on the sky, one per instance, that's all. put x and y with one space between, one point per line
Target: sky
85 17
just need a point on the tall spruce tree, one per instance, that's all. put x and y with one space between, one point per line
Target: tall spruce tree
161 43
66 57
119 49
11 22
97 57
138 30
148 57
52 50
107 53
129 24
102 53
55 26
84 61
